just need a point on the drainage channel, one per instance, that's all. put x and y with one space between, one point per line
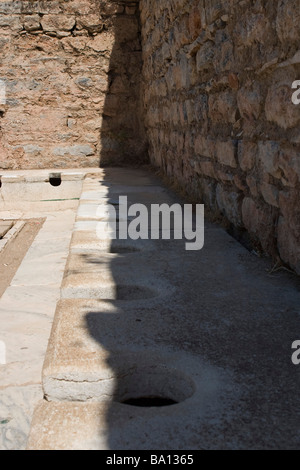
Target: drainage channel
13 247
5 226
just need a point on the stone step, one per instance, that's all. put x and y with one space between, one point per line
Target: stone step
109 415
116 426
83 240
105 341
67 426
206 329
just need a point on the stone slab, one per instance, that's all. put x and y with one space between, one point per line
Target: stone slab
85 240
111 424
26 313
217 317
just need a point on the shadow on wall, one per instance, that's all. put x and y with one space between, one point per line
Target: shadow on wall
123 139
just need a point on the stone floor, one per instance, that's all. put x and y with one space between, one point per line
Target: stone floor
211 330
28 305
26 312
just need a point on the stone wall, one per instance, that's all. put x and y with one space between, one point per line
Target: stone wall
219 112
215 96
72 71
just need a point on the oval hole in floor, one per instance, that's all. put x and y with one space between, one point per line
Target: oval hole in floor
152 385
149 402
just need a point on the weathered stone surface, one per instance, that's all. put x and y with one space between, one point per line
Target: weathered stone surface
204 147
289 228
5 226
32 23
270 194
10 23
259 223
102 353
279 107
247 152
227 69
204 58
288 244
289 164
225 153
287 25
58 61
209 80
250 102
230 205
267 157
76 150
224 58
57 22
222 107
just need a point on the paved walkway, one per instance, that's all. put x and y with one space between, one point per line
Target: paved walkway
211 330
28 305
26 313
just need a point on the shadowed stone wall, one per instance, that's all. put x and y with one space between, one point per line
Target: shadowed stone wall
72 71
219 112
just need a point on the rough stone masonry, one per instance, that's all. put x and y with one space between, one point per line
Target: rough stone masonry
219 112
72 73
206 84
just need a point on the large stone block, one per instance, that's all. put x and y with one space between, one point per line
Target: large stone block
247 152
260 222
215 9
204 146
226 153
205 55
270 194
223 57
279 107
229 203
223 107
288 245
289 163
58 22
287 21
268 157
250 101
32 23
252 28
75 150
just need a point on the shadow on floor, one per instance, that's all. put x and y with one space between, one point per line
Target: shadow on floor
209 330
